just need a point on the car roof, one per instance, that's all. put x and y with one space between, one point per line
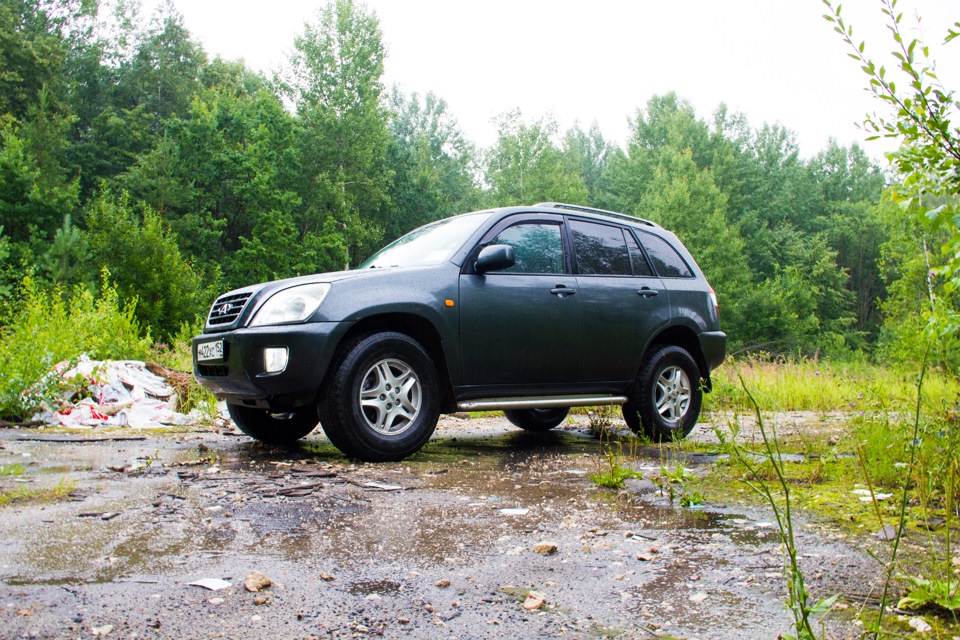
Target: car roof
592 212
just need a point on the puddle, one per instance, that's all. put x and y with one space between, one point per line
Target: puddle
375 587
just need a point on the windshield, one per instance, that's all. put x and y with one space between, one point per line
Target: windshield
432 244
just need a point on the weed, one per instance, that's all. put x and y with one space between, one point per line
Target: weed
59 491
14 469
612 473
797 596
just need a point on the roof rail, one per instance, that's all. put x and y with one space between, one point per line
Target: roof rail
575 207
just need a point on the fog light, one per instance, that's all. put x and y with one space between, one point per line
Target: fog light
275 359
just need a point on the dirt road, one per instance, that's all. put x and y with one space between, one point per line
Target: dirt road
457 542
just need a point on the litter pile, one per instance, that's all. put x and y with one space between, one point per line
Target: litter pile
115 393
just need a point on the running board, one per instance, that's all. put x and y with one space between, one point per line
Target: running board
537 402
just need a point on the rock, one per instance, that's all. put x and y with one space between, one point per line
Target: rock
256 581
326 577
920 625
259 600
644 557
534 601
216 600
105 630
697 598
888 532
443 584
545 548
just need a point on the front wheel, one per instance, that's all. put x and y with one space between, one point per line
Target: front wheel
383 399
666 403
274 428
536 419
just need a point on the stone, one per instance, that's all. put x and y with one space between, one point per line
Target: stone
535 600
256 581
545 548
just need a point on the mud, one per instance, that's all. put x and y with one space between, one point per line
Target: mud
437 546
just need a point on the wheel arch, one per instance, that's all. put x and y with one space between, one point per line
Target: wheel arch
684 337
418 328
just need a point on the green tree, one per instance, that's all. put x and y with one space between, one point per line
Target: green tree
148 269
431 163
335 82
525 165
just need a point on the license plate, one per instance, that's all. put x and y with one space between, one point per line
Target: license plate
210 351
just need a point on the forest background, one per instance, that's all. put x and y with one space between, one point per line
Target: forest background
139 179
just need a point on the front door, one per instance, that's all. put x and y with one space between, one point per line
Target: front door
520 327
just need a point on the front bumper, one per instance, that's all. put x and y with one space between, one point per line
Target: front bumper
239 377
714 347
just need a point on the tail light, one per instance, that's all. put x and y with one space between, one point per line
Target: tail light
713 299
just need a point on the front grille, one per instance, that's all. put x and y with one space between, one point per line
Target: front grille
227 309
212 370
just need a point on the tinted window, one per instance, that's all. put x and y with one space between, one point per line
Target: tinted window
640 265
537 247
665 258
601 250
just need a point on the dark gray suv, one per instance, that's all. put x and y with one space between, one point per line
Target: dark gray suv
531 310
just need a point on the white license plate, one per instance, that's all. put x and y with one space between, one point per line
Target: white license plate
210 351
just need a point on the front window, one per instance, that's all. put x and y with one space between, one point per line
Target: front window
537 246
429 245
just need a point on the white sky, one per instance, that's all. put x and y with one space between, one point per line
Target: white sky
775 60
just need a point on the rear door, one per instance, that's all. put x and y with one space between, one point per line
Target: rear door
622 302
520 327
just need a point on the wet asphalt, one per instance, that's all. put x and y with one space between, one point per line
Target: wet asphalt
441 545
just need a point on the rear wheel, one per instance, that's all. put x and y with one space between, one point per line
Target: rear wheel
383 399
274 428
666 402
536 419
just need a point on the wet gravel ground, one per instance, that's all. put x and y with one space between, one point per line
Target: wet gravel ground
439 546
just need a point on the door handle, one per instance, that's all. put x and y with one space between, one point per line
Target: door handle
647 292
562 291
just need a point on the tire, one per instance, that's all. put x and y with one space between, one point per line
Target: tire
536 419
383 399
666 402
274 428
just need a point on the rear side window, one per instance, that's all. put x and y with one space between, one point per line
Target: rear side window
640 265
537 246
665 258
600 249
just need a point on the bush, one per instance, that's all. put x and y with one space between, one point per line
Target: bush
53 326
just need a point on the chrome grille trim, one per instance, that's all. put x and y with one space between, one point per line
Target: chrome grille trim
227 309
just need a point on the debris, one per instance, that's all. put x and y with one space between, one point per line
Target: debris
213 584
697 598
100 632
256 581
535 600
515 512
921 625
545 548
216 600
113 393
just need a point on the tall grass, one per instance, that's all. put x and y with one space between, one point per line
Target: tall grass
825 386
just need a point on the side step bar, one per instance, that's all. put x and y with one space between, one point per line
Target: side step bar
538 402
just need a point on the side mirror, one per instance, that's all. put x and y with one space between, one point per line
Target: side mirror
496 257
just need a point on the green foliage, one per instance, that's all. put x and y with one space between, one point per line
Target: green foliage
150 271
925 592
921 115
54 326
335 81
525 166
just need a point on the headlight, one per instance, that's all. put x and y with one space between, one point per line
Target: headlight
295 304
